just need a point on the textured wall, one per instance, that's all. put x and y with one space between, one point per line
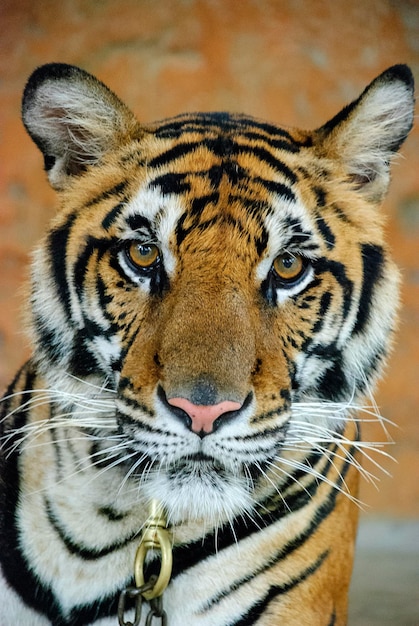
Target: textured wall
290 61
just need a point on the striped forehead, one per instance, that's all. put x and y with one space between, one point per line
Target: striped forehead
233 174
155 216
153 208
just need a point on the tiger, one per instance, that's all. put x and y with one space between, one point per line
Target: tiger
210 309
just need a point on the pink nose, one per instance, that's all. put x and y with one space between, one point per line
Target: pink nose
204 416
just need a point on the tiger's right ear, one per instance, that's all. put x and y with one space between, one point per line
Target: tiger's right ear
74 119
365 136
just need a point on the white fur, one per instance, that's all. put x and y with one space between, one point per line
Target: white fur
163 212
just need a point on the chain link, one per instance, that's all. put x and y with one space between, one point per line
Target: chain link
132 593
155 611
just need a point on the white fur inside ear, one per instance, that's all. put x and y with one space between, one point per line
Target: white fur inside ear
74 119
367 135
379 127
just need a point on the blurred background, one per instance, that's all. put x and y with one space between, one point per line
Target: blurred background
293 62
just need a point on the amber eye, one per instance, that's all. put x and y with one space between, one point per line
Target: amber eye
142 255
289 267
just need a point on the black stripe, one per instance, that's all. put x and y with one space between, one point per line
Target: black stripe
15 395
139 222
124 384
256 208
332 620
276 187
373 261
325 302
104 299
321 197
340 213
57 250
56 447
92 245
83 362
271 130
82 551
219 120
171 183
112 514
267 157
284 143
333 384
116 190
175 153
227 168
15 567
269 290
23 381
196 122
325 231
50 340
297 235
199 204
338 270
193 217
260 607
111 217
223 145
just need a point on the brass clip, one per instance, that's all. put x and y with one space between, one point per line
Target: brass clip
155 536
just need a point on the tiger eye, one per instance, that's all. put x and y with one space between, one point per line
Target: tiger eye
143 255
289 267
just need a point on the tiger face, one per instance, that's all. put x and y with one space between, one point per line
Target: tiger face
225 281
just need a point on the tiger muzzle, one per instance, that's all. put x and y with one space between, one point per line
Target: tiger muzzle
208 352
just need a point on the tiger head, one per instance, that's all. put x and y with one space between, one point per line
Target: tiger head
225 280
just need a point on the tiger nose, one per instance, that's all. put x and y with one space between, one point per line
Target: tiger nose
203 416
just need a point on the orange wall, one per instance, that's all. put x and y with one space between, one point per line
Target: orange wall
290 61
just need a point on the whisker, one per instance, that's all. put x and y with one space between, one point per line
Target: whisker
100 388
299 466
276 487
135 466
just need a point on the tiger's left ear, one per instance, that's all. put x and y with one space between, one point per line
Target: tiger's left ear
74 119
367 133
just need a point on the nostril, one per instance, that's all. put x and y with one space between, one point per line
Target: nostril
200 418
179 412
203 417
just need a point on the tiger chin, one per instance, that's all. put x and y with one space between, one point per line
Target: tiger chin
210 307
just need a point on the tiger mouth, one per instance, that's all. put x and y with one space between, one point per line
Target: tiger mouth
198 467
193 465
200 462
204 469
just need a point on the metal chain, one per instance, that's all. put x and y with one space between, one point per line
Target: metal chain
156 611
133 593
154 537
136 593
